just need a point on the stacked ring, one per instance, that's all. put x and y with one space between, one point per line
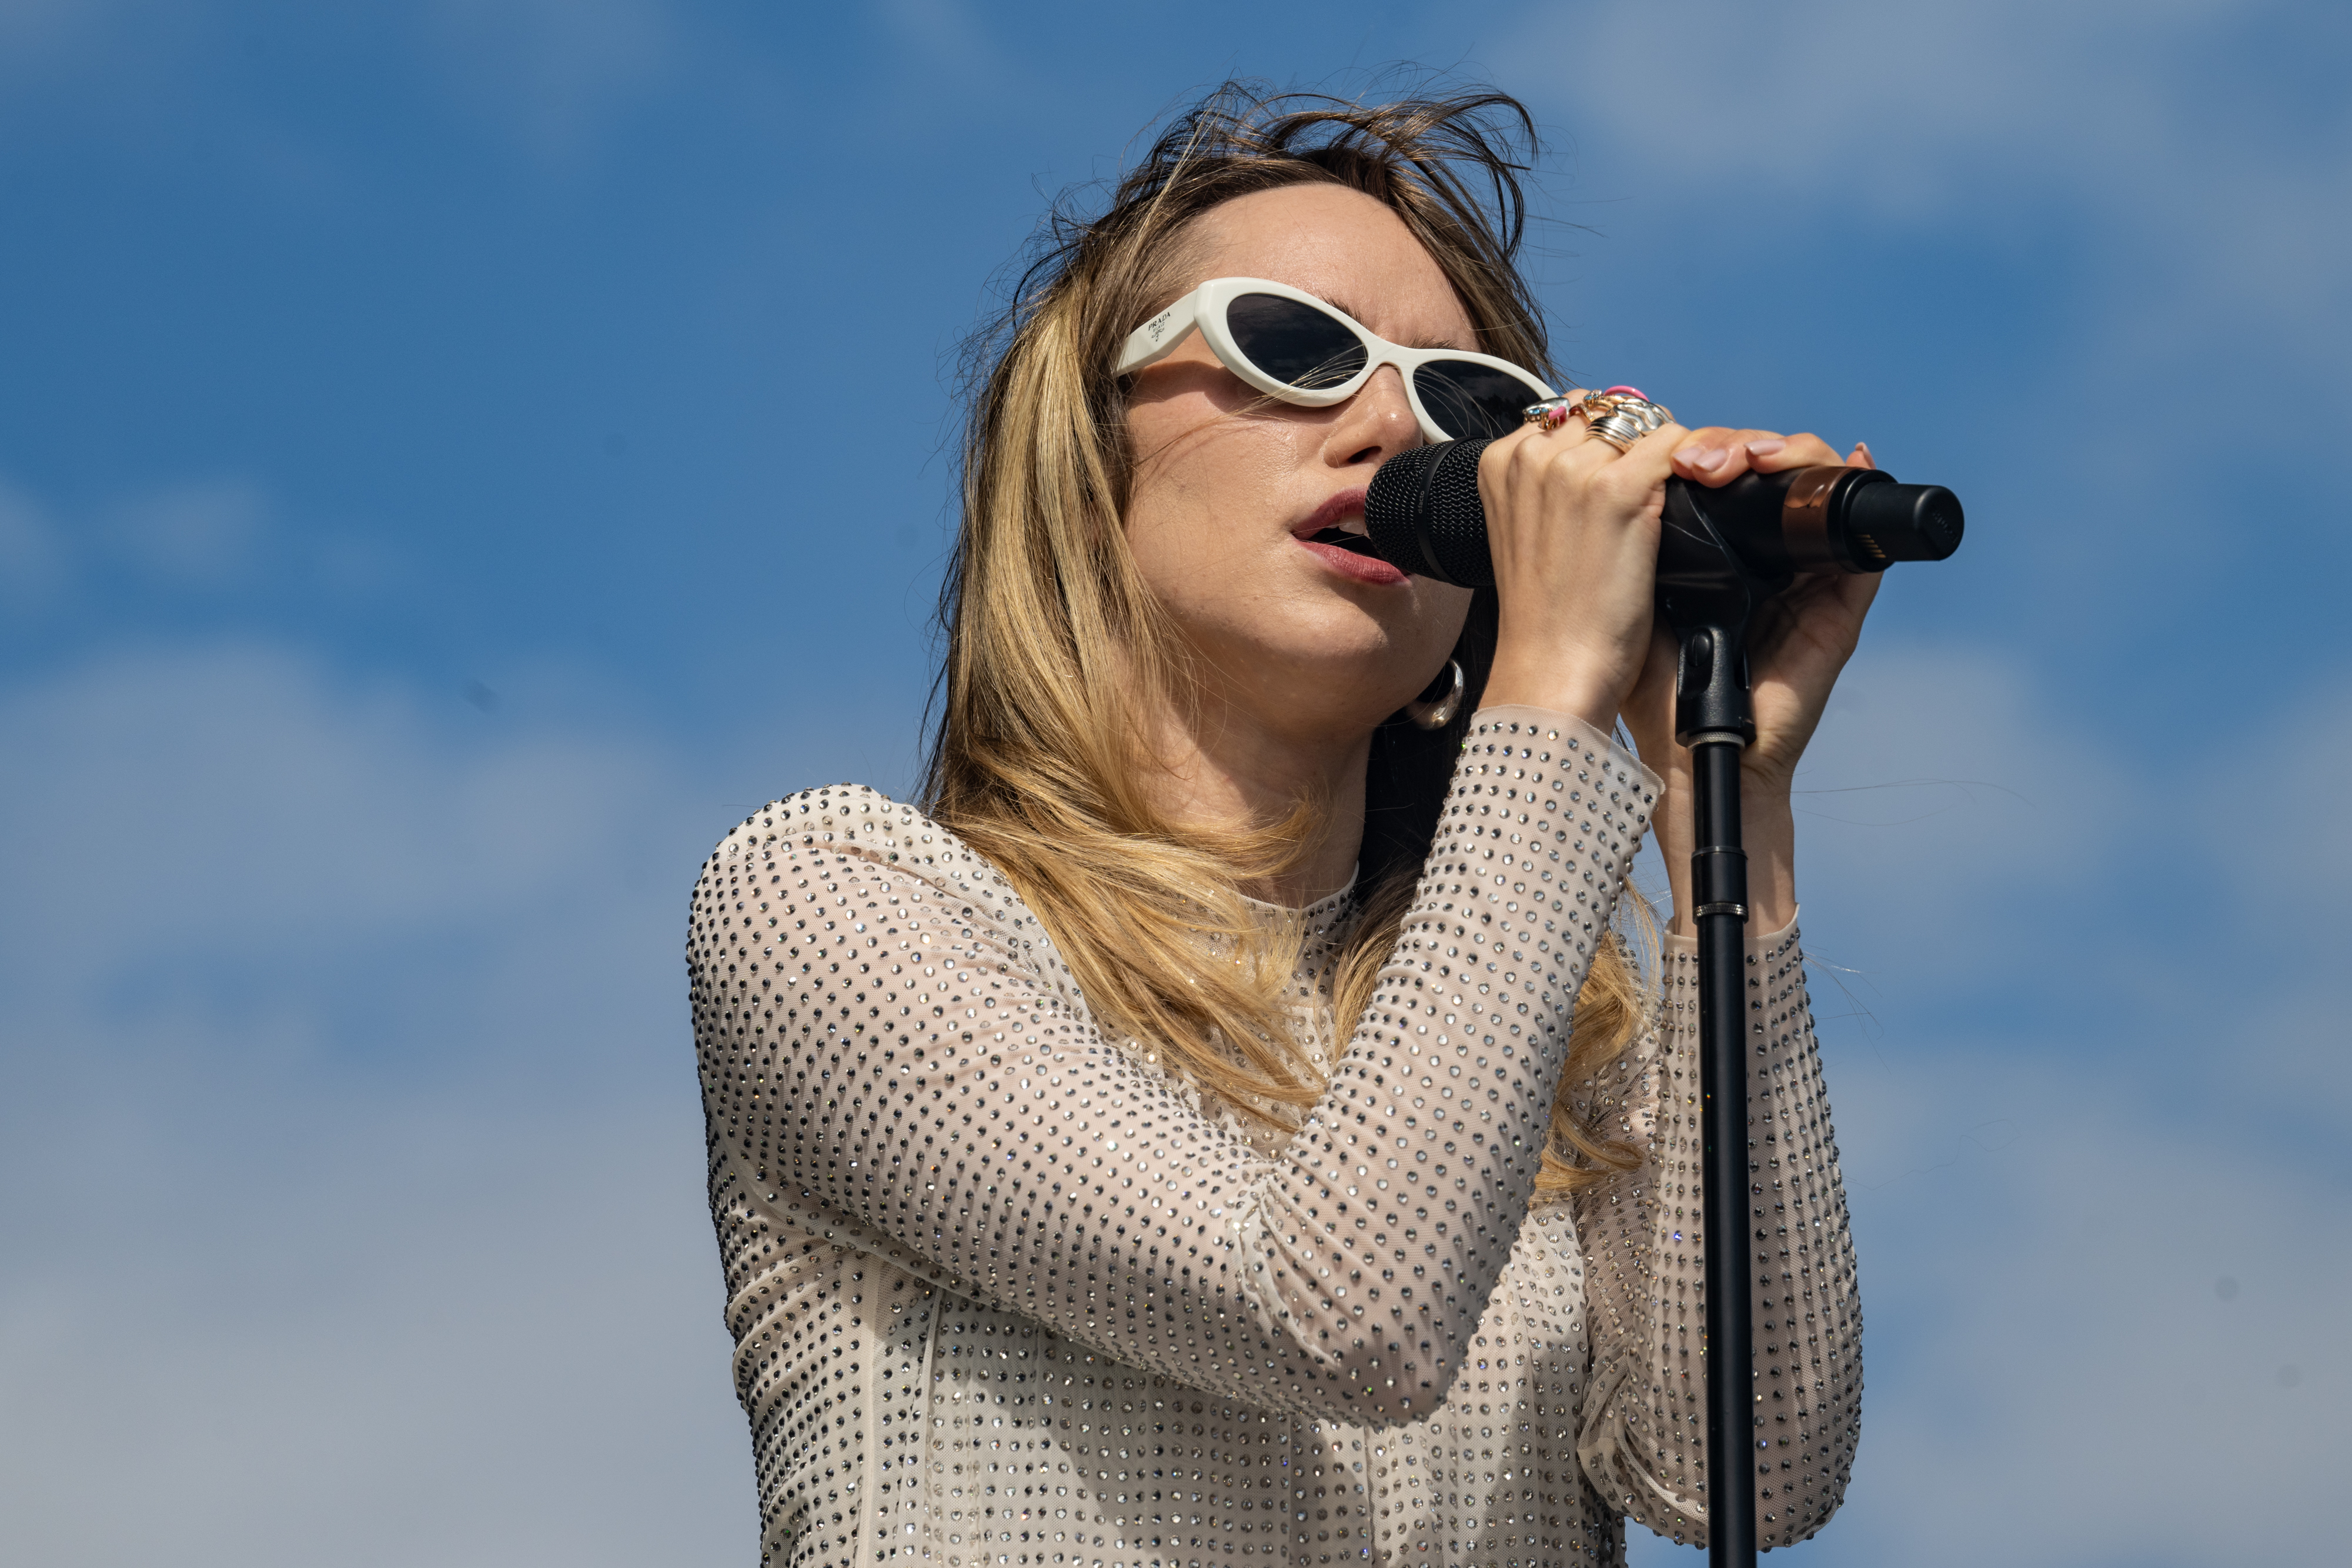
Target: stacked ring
1620 416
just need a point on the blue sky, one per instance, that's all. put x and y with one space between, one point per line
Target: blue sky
456 457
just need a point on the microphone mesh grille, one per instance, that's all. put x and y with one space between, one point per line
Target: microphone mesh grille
1423 514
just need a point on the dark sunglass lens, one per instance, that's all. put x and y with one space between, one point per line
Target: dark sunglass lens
1472 401
1295 344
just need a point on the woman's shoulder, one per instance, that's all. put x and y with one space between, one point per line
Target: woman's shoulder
849 816
856 829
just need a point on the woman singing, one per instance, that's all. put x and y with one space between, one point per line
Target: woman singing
1225 1123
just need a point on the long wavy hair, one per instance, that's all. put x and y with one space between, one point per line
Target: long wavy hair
1057 653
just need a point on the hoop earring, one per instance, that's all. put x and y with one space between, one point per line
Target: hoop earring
1428 713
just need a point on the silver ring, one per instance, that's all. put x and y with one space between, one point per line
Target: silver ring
1621 418
1552 413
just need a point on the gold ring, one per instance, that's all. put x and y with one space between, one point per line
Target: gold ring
1621 417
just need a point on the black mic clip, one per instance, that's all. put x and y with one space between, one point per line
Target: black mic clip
1708 594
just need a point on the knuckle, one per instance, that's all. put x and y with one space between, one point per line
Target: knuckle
1619 485
1549 460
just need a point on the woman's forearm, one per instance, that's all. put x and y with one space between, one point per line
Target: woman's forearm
1768 832
1644 1423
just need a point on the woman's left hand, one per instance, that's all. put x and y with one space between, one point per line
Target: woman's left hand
1797 644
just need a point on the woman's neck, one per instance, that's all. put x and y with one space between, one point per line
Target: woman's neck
1222 772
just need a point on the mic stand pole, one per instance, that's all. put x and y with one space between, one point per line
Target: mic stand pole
1706 595
1719 904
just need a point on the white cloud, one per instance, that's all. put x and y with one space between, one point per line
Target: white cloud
2278 819
2157 128
552 74
32 557
1964 845
1920 110
2274 820
200 534
348 1146
1942 794
452 1337
252 802
1946 764
33 30
2096 1334
2103 1235
120 64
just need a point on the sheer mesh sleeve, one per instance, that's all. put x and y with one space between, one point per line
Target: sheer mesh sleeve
1643 1438
875 1038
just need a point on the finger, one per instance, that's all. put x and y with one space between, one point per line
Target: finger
1855 591
1528 444
1537 437
1574 449
1650 461
1574 417
1771 454
1862 458
1649 707
1826 607
1717 455
1534 454
1707 450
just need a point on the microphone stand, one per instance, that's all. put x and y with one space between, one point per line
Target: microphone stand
1708 596
1423 508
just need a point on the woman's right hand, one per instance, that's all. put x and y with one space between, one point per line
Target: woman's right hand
1573 528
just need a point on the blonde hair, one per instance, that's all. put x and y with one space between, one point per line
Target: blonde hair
1055 649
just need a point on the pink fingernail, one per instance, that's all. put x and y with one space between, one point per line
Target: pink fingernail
1765 448
1628 391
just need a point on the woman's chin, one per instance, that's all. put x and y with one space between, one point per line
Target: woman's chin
1332 674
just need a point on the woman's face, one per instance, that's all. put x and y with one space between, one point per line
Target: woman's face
1309 640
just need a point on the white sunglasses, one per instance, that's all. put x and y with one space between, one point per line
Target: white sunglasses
1292 346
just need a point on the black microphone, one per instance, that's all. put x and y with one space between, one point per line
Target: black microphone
1425 517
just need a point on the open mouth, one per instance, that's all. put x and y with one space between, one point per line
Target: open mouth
1356 543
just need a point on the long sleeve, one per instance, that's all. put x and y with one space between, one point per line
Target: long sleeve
875 1038
1643 1434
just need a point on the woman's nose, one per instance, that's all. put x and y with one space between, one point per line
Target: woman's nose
1376 423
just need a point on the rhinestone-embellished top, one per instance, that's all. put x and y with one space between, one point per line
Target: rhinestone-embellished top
1003 1291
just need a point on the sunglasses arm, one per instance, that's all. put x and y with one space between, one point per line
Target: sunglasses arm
1152 341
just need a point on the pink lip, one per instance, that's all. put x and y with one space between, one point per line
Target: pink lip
1334 513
